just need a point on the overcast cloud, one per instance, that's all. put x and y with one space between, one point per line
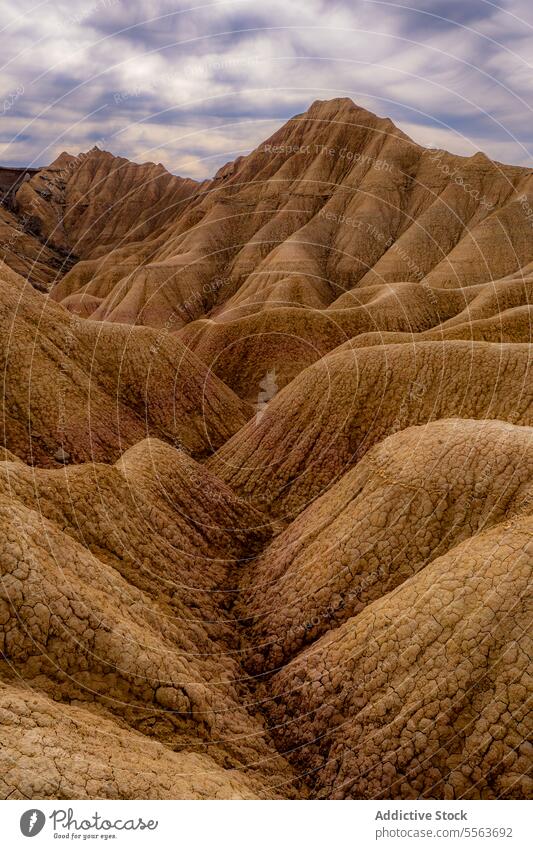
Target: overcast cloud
193 85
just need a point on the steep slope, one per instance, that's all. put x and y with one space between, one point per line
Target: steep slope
241 349
24 252
113 600
328 417
91 390
412 498
53 751
89 203
425 693
335 200
416 682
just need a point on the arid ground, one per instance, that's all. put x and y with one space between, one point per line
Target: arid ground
266 483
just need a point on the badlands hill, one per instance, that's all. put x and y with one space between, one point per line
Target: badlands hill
266 484
337 225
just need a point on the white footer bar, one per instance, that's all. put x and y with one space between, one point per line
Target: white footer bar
265 825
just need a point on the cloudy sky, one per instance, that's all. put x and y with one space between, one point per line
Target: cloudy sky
194 84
